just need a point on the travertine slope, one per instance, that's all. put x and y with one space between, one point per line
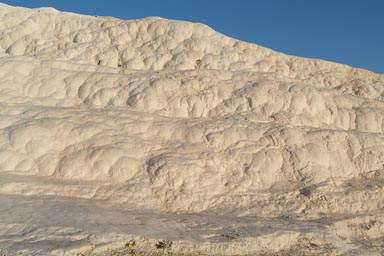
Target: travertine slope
172 117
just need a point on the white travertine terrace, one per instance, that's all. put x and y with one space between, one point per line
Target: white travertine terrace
171 117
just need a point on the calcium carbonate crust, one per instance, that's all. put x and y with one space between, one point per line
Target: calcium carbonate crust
171 116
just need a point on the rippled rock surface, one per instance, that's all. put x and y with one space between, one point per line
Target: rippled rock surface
154 129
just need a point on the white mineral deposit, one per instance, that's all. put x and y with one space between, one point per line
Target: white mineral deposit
161 136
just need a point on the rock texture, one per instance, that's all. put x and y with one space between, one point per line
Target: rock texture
189 126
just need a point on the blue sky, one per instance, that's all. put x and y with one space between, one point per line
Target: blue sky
345 31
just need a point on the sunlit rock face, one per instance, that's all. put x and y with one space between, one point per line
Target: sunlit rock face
172 117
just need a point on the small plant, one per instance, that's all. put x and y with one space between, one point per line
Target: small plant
164 245
130 247
130 244
197 63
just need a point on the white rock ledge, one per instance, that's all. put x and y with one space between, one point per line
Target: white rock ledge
113 130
